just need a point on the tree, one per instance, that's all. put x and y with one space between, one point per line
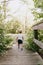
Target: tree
3 39
38 6
12 26
38 3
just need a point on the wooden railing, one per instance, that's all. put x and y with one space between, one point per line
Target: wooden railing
39 43
36 28
36 40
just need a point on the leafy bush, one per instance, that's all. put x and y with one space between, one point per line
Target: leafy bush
8 41
4 40
40 36
2 46
30 44
12 26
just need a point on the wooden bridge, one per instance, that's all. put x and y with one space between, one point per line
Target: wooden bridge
18 57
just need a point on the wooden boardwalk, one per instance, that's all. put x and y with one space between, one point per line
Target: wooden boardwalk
18 57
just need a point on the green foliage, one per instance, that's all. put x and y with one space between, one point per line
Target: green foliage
37 15
2 30
4 40
38 64
12 26
8 40
0 7
2 46
38 3
40 36
30 44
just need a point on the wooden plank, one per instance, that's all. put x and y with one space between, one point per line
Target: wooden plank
39 43
18 57
39 27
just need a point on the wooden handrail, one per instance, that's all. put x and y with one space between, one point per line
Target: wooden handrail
39 43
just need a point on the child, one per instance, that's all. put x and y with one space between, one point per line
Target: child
20 40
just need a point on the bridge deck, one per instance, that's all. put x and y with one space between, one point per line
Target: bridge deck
18 57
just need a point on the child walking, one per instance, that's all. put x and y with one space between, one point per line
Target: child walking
20 40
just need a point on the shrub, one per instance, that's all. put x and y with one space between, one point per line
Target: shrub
8 41
40 36
30 44
12 26
4 40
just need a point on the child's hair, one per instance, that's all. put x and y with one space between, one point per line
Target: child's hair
20 31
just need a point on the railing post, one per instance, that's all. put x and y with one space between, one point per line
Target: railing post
36 34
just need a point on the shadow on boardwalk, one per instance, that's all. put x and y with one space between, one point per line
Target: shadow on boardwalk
18 57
